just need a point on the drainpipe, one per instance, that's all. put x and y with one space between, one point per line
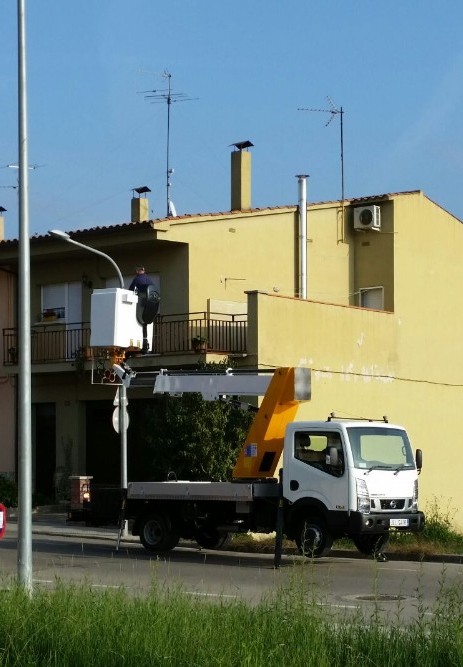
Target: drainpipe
302 181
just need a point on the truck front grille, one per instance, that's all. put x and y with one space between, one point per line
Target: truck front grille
391 504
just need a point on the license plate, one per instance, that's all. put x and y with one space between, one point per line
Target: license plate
398 522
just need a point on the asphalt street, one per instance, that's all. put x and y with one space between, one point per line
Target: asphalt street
343 582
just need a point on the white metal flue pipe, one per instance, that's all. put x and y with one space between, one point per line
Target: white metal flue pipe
302 181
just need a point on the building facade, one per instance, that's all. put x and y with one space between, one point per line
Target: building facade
379 324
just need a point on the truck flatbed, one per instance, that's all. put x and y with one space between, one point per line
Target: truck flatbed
184 490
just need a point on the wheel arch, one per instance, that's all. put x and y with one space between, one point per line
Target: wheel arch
300 509
146 508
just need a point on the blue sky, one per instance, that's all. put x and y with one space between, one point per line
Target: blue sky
396 68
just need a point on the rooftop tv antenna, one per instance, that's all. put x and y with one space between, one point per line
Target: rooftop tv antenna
16 166
158 97
334 111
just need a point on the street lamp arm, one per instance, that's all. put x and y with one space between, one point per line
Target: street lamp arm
65 237
123 421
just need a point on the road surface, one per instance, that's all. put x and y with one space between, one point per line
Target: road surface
81 555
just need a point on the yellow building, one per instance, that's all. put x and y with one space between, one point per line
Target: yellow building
363 292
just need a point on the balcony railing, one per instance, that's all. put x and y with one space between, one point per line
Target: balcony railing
50 342
172 334
213 332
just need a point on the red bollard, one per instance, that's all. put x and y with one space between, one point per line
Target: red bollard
2 520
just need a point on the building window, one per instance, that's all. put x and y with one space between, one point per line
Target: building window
62 302
53 303
371 297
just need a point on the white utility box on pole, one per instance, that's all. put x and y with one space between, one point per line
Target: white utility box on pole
113 319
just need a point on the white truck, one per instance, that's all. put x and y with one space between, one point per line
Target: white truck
310 481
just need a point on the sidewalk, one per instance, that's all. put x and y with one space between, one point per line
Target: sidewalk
52 520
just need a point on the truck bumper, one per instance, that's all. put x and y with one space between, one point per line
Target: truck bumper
380 523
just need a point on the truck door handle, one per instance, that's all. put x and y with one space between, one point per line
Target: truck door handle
294 485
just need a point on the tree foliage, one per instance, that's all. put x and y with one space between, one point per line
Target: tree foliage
8 492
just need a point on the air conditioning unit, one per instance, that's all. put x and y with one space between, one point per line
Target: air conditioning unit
367 217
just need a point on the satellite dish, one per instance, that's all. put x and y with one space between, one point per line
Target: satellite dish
172 209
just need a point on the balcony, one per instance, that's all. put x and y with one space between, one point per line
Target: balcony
200 332
51 342
184 333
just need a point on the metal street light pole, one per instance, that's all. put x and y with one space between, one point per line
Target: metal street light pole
122 388
64 236
24 317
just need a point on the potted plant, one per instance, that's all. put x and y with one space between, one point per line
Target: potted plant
86 352
82 355
49 315
199 343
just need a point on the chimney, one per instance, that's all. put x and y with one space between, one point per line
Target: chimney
140 205
241 176
2 223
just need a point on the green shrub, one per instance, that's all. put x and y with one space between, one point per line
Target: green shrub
8 492
438 527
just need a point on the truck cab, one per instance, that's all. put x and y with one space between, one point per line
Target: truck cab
353 478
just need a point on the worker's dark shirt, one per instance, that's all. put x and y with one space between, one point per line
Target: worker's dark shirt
141 282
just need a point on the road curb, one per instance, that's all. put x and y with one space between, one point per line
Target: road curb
40 519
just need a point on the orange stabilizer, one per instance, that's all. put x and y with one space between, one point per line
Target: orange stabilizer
264 443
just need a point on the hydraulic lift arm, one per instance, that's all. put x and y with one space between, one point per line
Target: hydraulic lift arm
264 443
283 389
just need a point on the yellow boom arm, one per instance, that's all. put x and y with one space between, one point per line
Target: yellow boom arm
264 443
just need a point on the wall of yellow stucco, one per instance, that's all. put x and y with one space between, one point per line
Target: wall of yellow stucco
373 251
329 259
428 276
369 364
231 254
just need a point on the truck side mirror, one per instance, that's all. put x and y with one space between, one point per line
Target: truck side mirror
333 457
419 459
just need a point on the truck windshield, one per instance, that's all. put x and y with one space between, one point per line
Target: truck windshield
380 448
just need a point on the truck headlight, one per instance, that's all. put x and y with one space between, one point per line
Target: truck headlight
415 496
363 497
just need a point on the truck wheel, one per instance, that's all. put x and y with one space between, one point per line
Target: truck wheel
313 538
371 544
210 538
158 533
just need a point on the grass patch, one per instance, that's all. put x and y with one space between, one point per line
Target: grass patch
438 528
73 626
438 537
